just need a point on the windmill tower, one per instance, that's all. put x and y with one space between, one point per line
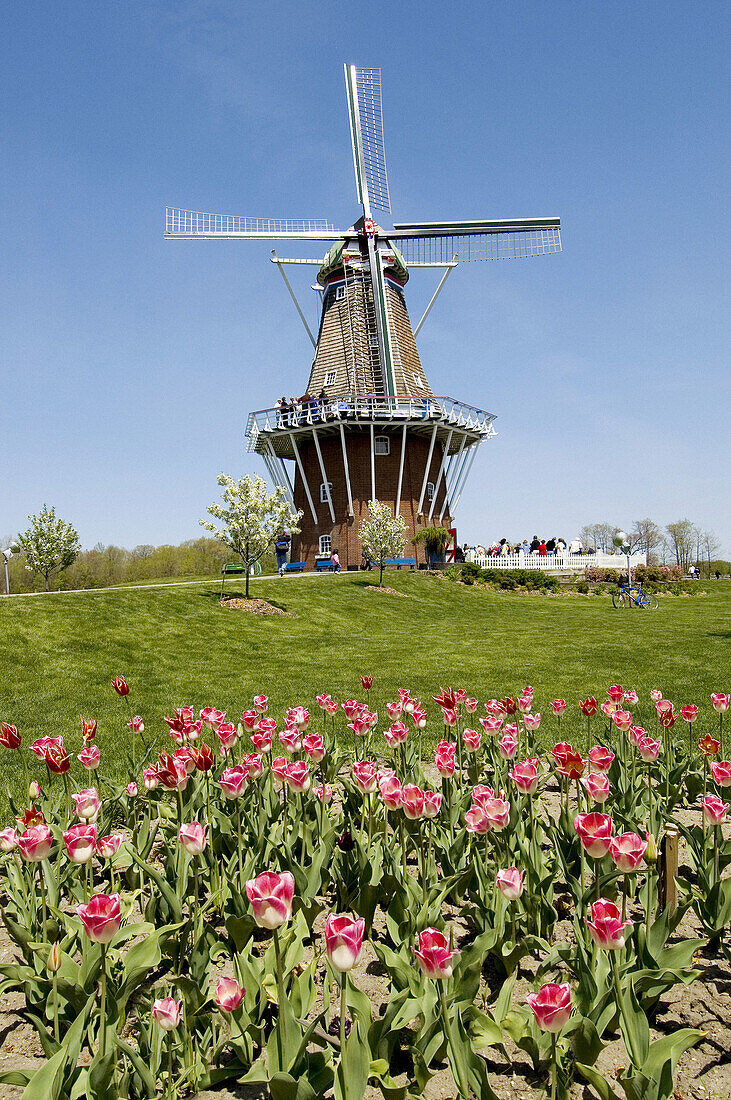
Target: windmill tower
368 426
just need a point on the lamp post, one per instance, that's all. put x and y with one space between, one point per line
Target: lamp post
7 553
621 541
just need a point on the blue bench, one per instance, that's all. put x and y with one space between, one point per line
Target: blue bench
295 567
325 565
398 562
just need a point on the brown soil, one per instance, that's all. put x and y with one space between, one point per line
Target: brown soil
254 606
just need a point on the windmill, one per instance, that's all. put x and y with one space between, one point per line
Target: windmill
369 426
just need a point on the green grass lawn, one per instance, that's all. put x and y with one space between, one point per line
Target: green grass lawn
177 645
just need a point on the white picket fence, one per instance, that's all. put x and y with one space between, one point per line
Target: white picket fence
575 563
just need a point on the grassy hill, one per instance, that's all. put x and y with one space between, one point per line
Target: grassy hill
178 645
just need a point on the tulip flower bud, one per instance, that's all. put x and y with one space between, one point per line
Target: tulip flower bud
651 853
34 790
54 959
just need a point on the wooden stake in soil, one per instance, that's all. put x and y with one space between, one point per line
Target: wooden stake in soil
670 868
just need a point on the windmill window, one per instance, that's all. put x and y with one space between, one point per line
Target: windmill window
330 377
327 486
373 340
430 490
417 381
339 293
326 543
382 445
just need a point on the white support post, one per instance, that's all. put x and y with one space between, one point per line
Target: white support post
401 470
301 469
439 475
426 471
466 474
347 472
373 465
324 476
278 465
452 475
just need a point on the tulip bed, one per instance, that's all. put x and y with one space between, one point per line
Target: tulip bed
201 924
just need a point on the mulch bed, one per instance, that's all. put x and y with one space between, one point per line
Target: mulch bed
254 606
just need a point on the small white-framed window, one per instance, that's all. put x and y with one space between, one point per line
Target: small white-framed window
325 486
430 490
417 381
373 340
330 377
382 445
326 544
339 293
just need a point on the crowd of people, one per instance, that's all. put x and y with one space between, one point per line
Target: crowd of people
539 546
291 411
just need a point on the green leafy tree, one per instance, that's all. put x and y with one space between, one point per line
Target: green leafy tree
50 545
251 517
436 540
383 535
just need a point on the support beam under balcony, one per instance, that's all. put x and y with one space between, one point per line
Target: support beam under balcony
301 469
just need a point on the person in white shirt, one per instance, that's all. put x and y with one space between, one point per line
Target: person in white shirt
575 546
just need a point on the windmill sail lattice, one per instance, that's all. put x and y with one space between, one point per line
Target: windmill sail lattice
369 425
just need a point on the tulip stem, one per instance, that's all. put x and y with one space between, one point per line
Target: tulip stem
402 841
715 853
54 982
43 898
238 840
280 1000
554 1067
169 1089
343 981
103 1004
624 897
454 1062
649 795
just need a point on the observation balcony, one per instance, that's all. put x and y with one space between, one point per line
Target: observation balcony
270 431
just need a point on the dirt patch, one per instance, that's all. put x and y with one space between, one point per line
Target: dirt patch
385 590
254 606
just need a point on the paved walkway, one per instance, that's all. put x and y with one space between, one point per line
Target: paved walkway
164 584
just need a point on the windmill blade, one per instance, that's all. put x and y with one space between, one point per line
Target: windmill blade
195 223
496 240
366 132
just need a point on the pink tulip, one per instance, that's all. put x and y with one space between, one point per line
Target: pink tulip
193 837
648 749
262 742
89 757
8 840
481 793
412 801
631 698
609 708
720 702
470 705
476 820
616 693
596 786
298 717
491 724
185 755
394 710
495 708
510 883
298 776
531 721
212 717
627 851
34 790
35 843
689 712
249 719
332 709
497 812
635 734
721 772
314 746
600 758
595 833
396 734
108 846
606 927
101 917
450 716
559 707
166 1013
525 704
343 941
663 706
551 1006
323 700
433 954
229 994
253 763
444 758
507 747
471 739
87 804
271 895
261 703
291 740
149 779
80 841
324 793
418 717
131 790
714 809
266 725
390 789
233 781
656 695
278 770
364 774
432 803
622 719
525 776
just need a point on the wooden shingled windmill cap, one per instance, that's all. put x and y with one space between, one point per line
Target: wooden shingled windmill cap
422 244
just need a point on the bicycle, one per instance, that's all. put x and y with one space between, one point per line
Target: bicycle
629 596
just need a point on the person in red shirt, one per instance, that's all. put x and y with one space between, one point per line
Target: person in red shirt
542 550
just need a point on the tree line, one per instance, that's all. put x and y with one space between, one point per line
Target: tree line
681 543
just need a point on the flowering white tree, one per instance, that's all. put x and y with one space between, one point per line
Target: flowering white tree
251 517
382 534
50 544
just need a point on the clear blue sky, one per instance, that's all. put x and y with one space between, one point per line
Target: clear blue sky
129 363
